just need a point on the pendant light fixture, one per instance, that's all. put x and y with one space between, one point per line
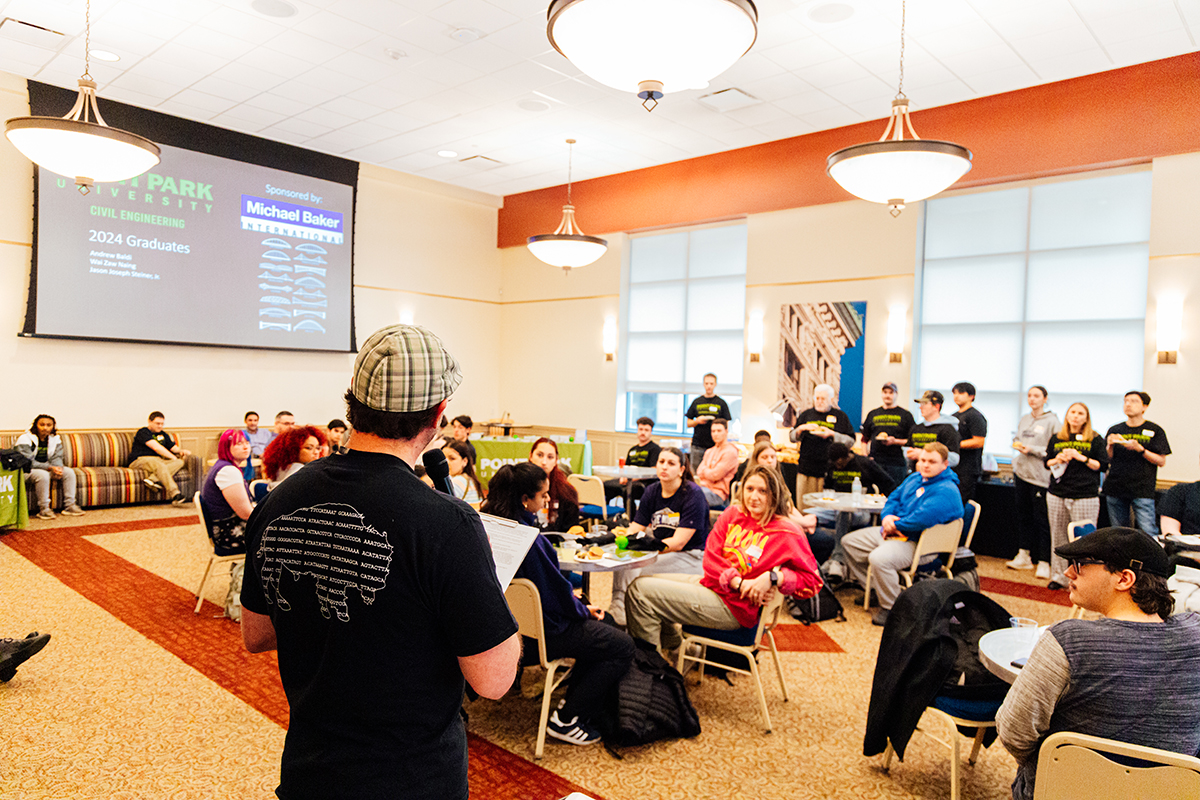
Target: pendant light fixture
568 247
899 170
77 147
652 47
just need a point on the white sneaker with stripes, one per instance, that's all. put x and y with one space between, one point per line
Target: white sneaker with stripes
572 732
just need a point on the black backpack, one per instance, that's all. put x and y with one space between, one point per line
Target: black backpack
818 608
649 703
13 459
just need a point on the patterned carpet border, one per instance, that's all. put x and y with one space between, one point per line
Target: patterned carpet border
163 613
1025 590
804 639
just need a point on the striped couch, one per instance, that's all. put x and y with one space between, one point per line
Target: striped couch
102 479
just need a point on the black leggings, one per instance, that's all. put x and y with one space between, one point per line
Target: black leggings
1033 522
602 654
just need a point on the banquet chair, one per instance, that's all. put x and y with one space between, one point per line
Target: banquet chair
744 642
941 539
951 715
1074 765
1074 531
591 496
213 558
526 606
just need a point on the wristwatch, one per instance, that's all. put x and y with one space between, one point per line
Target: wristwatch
775 576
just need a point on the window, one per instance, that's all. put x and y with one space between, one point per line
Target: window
1043 284
684 313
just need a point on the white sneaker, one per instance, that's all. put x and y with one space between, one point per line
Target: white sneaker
46 513
1022 561
1043 570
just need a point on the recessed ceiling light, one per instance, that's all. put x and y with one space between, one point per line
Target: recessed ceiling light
447 154
465 35
395 54
830 13
103 55
533 105
273 8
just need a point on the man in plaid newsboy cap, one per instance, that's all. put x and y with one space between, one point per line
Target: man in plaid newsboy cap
379 593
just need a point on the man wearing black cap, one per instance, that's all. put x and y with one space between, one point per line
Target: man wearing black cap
886 430
933 426
380 594
1133 675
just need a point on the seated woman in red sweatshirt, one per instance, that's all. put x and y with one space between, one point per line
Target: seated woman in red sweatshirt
602 651
752 551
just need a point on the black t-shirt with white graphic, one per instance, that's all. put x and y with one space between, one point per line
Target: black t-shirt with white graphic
140 448
706 407
814 450
643 455
970 424
894 422
375 584
687 508
1077 481
1131 475
1182 503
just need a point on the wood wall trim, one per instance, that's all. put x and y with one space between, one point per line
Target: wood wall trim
1115 118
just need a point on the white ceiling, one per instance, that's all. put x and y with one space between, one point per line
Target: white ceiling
323 78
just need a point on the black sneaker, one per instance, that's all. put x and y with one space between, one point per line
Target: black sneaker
572 732
15 652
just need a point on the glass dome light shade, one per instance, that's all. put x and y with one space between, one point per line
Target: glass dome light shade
906 170
73 148
680 43
567 250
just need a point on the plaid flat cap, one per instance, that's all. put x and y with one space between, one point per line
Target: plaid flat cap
404 368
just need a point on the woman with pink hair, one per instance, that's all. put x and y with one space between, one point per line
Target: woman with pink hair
225 495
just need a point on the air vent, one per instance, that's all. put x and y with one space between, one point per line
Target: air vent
728 100
28 33
481 163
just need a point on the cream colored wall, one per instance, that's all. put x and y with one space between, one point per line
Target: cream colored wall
1175 270
551 343
841 252
419 246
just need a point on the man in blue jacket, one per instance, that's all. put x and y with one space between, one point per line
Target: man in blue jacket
926 498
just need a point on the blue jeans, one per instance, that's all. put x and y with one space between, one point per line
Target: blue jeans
715 501
1144 513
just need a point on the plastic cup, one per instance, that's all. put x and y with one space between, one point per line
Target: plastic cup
1027 627
621 462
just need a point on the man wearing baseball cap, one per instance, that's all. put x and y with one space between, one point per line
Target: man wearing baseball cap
1133 675
933 426
379 593
885 431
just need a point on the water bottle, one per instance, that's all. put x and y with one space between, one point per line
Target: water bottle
856 488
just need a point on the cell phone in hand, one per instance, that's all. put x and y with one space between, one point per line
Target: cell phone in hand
1019 662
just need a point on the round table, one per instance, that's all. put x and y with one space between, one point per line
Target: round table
610 562
999 648
846 502
633 473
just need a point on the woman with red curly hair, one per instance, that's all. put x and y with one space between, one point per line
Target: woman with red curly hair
564 500
290 451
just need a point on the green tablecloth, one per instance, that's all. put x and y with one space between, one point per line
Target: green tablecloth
14 509
492 454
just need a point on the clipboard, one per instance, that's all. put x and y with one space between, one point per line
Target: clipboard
510 542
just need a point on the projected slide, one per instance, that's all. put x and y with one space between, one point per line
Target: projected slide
199 250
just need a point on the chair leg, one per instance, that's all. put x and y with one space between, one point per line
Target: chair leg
545 716
867 591
778 667
887 756
203 581
954 757
762 696
978 744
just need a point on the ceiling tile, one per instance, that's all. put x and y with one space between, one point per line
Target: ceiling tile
331 81
303 91
186 10
131 97
186 111
986 59
323 116
959 39
1035 20
250 27
258 117
140 19
929 16
865 34
869 89
477 14
832 73
784 129
354 109
379 15
299 127
776 87
834 117
336 30
1062 42
1003 80
203 100
1149 18
213 42
484 56
803 104
123 41
1149 48
229 90
1072 66
198 63
365 68
280 105
302 47
802 53
527 38
760 114
556 61
780 30
148 86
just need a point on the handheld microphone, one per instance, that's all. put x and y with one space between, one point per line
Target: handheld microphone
438 471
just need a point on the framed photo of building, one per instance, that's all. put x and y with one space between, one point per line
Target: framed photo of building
821 343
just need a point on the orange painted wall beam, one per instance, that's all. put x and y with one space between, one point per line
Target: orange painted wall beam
1123 116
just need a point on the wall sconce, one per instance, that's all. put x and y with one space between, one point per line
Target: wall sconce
754 336
610 338
895 334
1170 327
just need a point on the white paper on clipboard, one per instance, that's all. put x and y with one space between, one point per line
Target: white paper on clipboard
510 542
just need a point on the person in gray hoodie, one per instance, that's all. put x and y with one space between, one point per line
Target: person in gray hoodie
43 446
1030 479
